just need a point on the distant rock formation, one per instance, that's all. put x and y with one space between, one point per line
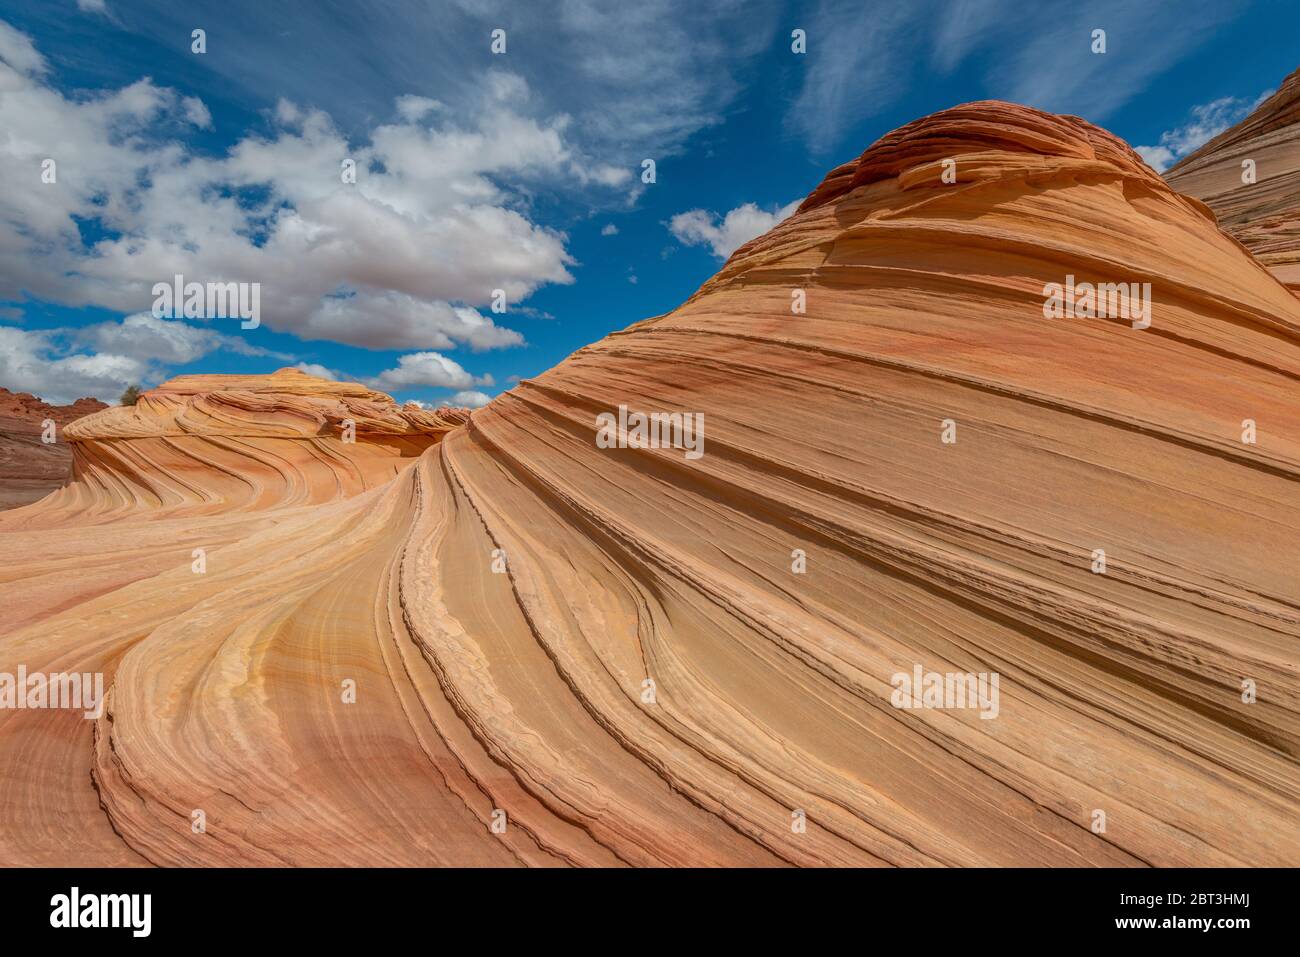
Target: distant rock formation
204 443
30 468
1258 203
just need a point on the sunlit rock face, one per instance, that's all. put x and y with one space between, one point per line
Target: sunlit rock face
199 461
549 643
1250 176
203 444
164 494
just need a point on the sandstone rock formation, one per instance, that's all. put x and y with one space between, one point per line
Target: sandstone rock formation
1264 213
198 462
200 444
30 468
530 649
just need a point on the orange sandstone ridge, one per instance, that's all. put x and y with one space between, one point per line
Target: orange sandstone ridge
1261 209
200 461
631 657
215 443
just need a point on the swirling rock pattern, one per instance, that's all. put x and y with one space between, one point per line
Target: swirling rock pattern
1261 207
199 461
567 654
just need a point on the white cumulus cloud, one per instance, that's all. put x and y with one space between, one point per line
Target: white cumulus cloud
425 370
470 399
100 360
32 361
727 233
1204 123
402 258
319 371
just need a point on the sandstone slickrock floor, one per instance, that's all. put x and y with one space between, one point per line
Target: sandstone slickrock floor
521 689
1263 213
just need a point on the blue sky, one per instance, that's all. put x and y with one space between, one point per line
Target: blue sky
478 171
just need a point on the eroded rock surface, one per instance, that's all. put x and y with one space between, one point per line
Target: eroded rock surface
629 656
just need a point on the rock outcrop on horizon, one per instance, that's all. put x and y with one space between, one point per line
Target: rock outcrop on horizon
1260 205
526 647
31 468
200 461
200 444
